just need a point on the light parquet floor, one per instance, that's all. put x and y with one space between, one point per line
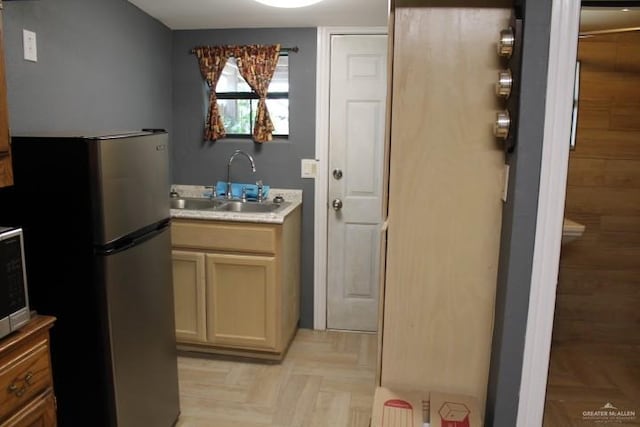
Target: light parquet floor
326 379
586 377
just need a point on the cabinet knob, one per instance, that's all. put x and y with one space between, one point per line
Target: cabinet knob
505 83
16 390
506 43
502 124
20 390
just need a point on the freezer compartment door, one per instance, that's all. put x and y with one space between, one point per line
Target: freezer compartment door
131 184
139 296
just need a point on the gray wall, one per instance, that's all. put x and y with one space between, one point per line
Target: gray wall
197 162
519 222
102 65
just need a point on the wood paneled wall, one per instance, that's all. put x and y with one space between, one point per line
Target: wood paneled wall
599 285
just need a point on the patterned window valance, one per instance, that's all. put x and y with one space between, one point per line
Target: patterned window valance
256 64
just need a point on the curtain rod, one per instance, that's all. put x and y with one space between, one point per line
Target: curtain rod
282 49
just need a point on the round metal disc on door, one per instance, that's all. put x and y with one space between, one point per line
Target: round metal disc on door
502 124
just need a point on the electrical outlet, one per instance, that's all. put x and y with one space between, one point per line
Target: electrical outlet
309 168
29 45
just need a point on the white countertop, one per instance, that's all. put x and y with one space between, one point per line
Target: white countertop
199 191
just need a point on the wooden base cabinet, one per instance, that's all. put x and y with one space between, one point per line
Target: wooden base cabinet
236 286
26 384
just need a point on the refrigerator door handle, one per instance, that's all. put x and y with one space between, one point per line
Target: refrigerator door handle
132 240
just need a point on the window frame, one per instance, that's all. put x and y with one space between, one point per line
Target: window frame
252 95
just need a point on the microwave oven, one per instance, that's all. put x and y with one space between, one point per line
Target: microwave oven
14 301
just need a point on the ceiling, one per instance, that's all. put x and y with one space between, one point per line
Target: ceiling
207 14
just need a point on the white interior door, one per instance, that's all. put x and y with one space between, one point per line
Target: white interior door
356 130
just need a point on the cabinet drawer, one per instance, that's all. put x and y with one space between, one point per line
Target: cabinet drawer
41 412
23 375
255 238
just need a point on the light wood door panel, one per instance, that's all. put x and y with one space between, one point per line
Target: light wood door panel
357 113
189 296
241 296
446 173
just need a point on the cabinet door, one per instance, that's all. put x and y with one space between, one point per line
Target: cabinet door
189 296
241 298
6 173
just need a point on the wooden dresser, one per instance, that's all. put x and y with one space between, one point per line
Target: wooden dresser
26 384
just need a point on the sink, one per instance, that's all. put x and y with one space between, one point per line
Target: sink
249 207
194 204
220 205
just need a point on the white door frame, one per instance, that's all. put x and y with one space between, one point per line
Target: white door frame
323 68
565 18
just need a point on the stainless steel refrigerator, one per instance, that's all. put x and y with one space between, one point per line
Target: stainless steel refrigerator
95 215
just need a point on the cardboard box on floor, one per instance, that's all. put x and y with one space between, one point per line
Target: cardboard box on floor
399 408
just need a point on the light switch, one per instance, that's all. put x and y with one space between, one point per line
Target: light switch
29 44
309 168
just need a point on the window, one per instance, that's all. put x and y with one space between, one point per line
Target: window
238 103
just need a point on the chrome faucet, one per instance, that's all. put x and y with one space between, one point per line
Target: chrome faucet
233 156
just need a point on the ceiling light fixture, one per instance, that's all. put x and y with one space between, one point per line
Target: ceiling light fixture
288 3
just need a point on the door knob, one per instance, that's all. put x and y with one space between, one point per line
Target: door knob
506 43
337 204
501 127
337 173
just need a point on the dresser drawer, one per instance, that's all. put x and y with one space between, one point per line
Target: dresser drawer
24 373
41 412
219 236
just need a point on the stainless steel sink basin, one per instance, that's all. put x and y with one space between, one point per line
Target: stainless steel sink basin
194 204
220 205
249 207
